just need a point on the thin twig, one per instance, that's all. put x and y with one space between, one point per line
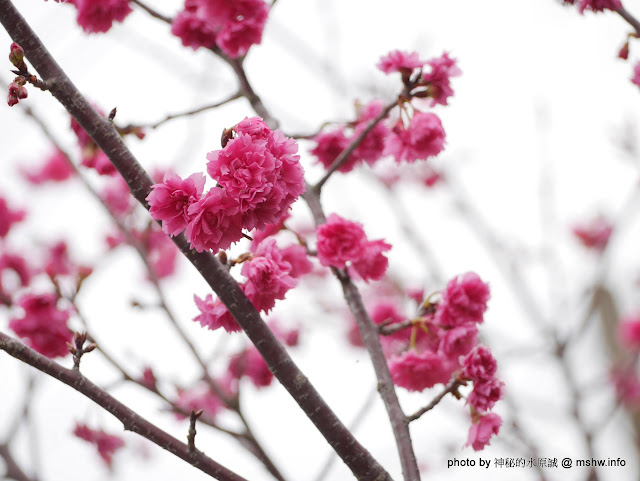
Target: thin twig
12 468
153 12
344 155
130 419
188 113
452 387
633 21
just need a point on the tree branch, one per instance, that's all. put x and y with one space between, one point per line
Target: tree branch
453 385
344 155
369 334
633 21
104 134
131 420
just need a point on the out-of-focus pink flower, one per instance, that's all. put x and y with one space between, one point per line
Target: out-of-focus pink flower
463 301
400 61
439 78
94 158
636 74
629 332
170 200
598 5
595 233
214 222
372 146
17 264
55 168
480 365
339 241
162 254
149 378
8 217
215 314
58 261
201 396
418 371
485 394
42 325
249 363
296 256
97 16
424 138
627 386
331 144
107 444
482 429
233 26
117 197
372 263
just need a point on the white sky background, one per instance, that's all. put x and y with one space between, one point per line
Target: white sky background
542 92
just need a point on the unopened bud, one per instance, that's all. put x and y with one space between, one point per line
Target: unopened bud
16 55
624 51
22 93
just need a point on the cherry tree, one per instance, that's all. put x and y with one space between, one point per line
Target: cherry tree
319 243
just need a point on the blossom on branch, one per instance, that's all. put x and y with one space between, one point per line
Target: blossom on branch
422 139
482 429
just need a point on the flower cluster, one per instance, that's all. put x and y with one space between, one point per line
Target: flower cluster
17 89
259 177
442 347
269 271
43 325
343 243
423 137
106 444
233 26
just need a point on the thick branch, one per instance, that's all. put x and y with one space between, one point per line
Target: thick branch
104 134
131 421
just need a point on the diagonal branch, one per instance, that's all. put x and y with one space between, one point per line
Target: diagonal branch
104 134
131 420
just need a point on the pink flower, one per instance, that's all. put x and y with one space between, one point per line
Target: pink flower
43 325
17 264
339 241
98 15
636 74
58 261
107 444
424 138
479 365
263 175
372 146
442 69
8 217
162 254
148 378
254 127
266 282
215 314
214 222
200 396
170 201
598 5
463 301
56 168
629 332
594 234
482 429
329 146
232 26
296 256
485 394
117 196
458 341
250 363
399 61
94 158
372 264
627 386
417 372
